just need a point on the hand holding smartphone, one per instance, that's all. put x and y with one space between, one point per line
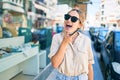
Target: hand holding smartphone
74 32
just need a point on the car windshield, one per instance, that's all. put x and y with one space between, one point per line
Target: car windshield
103 33
96 29
117 39
42 32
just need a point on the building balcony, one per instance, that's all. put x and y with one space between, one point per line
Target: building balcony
13 5
14 2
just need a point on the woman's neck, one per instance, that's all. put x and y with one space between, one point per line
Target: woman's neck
75 36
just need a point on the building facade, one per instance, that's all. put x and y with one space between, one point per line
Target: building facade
109 11
13 15
39 12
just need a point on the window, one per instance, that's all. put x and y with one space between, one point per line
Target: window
103 25
102 6
101 18
117 39
16 1
41 0
114 25
20 1
102 12
30 6
109 39
118 2
103 33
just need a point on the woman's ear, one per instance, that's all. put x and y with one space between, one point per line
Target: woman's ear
80 25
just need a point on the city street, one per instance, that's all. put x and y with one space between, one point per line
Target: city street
27 28
97 69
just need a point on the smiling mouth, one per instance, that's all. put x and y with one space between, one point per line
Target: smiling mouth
68 26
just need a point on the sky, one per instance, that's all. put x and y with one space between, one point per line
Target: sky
92 10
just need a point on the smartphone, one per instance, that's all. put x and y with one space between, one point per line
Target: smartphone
74 32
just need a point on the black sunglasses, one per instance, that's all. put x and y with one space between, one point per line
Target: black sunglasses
73 18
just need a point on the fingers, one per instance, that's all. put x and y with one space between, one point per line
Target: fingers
67 38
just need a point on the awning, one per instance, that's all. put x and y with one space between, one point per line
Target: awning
13 8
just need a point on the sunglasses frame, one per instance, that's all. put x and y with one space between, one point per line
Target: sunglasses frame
72 18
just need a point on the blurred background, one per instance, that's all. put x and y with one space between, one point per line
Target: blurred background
27 28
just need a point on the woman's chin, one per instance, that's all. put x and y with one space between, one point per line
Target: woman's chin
67 30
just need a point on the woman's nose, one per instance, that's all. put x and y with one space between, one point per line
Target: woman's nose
69 19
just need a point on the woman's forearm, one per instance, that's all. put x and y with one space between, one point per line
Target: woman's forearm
90 73
59 56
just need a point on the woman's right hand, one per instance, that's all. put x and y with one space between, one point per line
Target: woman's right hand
67 38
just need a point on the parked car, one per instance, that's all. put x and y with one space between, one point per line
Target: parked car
44 36
6 33
93 32
26 32
110 54
59 29
91 29
99 39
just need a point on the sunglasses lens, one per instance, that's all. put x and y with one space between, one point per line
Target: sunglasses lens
74 19
67 16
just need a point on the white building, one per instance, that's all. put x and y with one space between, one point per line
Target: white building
118 15
40 11
109 10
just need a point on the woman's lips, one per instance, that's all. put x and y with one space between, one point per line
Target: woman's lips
68 26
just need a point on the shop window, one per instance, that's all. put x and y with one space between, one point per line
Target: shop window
102 12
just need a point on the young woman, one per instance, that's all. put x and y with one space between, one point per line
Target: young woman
71 54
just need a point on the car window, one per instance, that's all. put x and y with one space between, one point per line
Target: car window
103 33
42 32
109 39
117 39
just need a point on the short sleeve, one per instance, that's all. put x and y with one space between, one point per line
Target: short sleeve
54 46
90 53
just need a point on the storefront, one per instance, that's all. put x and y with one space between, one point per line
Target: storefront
16 11
13 16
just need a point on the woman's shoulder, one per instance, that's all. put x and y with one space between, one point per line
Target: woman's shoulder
57 35
84 36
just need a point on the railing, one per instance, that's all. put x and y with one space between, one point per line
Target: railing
15 2
45 73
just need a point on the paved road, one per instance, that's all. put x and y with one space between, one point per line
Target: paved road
97 71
